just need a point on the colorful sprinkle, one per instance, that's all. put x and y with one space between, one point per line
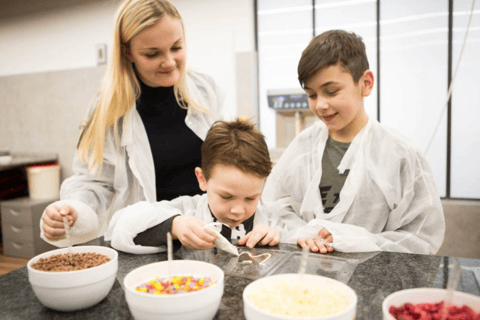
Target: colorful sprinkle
175 285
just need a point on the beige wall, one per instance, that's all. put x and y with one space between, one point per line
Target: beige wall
462 236
42 112
52 35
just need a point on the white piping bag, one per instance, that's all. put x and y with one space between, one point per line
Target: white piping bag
221 242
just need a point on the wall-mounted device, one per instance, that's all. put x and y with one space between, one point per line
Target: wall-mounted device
292 113
287 99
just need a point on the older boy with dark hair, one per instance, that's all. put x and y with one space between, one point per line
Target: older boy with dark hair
235 164
348 180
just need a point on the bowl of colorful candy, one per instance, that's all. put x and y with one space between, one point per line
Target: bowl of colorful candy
291 296
73 281
178 289
428 303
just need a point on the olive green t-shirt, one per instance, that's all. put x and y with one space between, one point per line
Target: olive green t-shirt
332 181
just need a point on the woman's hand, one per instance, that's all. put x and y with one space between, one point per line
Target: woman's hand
53 227
318 244
262 235
190 232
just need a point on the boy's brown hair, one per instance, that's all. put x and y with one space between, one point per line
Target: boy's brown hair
332 47
237 143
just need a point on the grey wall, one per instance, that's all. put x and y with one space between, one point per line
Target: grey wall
42 112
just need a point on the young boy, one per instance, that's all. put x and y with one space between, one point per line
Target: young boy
347 179
235 164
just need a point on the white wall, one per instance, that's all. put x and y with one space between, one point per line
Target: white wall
53 40
65 38
216 30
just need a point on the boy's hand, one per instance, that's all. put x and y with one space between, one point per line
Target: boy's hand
262 235
317 244
53 227
190 232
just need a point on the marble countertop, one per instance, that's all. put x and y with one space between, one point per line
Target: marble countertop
373 276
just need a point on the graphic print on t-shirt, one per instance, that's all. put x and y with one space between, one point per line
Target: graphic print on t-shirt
331 197
331 194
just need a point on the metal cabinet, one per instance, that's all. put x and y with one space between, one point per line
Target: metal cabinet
21 227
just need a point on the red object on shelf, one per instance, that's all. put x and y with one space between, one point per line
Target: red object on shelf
52 164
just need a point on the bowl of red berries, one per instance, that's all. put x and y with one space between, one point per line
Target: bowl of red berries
431 304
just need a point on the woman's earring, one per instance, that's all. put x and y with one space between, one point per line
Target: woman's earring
126 53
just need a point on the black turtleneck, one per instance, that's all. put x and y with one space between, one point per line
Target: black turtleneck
176 149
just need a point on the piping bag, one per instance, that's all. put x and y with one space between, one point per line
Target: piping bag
221 242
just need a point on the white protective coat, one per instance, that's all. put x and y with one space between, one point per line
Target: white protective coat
389 201
128 174
127 223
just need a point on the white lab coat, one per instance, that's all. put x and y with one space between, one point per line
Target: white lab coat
128 176
389 201
127 223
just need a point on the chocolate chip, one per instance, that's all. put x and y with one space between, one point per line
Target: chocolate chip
61 262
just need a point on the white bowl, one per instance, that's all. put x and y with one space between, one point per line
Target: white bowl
252 312
74 290
427 295
199 305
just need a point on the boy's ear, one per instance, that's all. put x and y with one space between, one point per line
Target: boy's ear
367 83
202 182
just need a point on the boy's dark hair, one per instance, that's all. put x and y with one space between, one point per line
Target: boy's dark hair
237 143
330 48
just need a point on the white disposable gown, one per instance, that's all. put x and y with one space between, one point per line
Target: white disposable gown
127 223
128 174
389 201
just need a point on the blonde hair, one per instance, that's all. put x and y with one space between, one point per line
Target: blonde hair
120 86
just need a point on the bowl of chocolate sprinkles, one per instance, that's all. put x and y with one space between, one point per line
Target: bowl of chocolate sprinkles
70 262
71 281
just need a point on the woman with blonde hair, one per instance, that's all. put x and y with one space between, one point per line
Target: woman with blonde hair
143 134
